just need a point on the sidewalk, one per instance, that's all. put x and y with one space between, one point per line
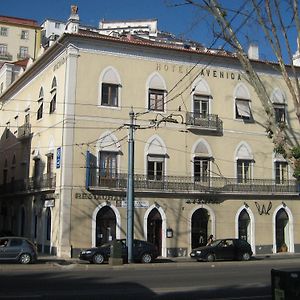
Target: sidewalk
51 259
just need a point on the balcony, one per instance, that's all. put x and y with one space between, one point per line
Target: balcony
204 123
24 131
6 56
44 183
188 186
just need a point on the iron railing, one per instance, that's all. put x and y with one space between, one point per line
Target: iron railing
204 121
41 183
193 184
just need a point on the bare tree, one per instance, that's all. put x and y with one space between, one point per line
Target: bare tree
271 17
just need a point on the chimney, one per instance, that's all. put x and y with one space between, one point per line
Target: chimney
253 51
73 22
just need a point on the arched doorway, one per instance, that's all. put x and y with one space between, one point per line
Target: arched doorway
244 226
200 226
282 230
105 225
154 229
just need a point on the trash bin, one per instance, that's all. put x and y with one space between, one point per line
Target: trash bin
116 253
285 284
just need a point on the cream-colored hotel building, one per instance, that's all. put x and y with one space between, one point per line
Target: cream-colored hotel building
202 161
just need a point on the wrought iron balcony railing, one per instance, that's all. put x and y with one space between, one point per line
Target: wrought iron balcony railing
192 185
6 56
42 183
24 131
204 122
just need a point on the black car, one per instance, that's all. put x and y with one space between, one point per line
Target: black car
143 251
223 249
17 249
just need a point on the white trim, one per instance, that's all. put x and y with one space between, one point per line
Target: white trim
94 218
290 242
189 223
252 225
163 229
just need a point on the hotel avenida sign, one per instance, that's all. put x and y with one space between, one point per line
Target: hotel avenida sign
204 72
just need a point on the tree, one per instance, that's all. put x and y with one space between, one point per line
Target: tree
276 19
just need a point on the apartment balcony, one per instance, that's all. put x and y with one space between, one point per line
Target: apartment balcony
190 186
6 56
44 183
22 56
205 123
24 131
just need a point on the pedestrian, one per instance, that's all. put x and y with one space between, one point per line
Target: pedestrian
210 240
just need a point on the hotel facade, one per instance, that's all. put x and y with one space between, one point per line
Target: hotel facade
203 163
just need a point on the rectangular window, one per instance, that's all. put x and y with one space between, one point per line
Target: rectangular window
53 103
108 164
109 95
155 167
23 52
40 111
201 169
50 163
279 113
281 172
3 31
57 25
242 109
201 106
24 35
244 168
3 49
156 99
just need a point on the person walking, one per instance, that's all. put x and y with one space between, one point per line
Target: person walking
210 240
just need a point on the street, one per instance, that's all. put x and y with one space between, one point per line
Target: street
162 280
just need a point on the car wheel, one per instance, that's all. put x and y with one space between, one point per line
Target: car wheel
98 258
146 258
210 257
246 256
25 258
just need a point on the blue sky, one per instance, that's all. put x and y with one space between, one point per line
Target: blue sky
184 21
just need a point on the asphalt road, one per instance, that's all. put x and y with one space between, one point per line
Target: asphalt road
180 280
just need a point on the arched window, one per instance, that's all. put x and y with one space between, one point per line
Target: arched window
110 88
156 156
242 103
53 96
201 100
202 160
156 92
244 163
279 104
281 169
41 104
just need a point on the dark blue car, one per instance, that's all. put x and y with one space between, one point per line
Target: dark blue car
223 249
143 251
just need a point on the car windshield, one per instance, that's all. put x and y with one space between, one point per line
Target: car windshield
215 243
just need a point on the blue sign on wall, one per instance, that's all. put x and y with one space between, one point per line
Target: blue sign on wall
58 156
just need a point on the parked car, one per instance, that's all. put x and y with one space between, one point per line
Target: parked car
17 249
143 251
223 249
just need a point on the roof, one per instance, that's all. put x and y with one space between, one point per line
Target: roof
19 21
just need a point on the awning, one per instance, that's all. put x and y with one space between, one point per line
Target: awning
243 108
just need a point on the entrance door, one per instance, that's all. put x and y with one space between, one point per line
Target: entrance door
105 226
154 229
244 223
199 231
282 222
